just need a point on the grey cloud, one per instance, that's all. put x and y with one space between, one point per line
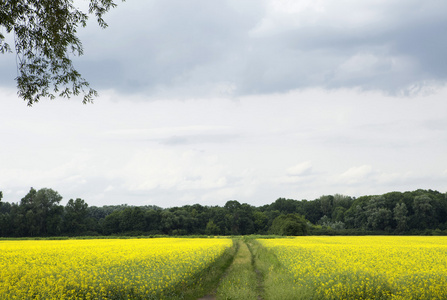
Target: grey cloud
427 43
405 50
159 45
200 48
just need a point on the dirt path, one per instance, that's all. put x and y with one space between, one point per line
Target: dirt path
208 297
213 295
259 275
243 257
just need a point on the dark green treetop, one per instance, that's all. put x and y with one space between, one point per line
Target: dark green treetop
290 224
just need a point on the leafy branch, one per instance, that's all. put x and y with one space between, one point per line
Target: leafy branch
44 38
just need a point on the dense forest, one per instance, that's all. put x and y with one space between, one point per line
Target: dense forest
39 214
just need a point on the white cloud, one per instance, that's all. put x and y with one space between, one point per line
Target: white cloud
255 149
169 169
356 174
301 169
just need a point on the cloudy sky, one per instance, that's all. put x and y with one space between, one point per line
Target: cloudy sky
250 100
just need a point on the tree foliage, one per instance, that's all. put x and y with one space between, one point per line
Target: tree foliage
75 216
290 225
44 38
39 213
400 216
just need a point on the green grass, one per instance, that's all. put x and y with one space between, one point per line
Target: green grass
206 281
241 281
256 273
277 282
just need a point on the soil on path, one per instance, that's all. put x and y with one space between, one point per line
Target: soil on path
259 276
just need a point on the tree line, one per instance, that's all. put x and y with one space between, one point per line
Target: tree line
40 214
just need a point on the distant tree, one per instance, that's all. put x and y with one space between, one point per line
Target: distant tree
219 216
239 217
49 211
45 38
378 216
232 206
6 224
342 201
290 225
326 205
312 210
187 220
153 220
212 228
169 222
233 210
355 216
96 212
401 217
393 198
125 220
111 223
325 221
138 219
339 214
40 213
380 219
75 217
260 222
26 223
285 206
423 212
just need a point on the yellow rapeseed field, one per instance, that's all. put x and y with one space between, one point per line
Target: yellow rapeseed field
102 269
374 267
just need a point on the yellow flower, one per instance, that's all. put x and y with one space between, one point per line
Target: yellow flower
367 267
101 269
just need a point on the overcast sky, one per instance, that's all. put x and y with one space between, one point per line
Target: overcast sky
208 101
